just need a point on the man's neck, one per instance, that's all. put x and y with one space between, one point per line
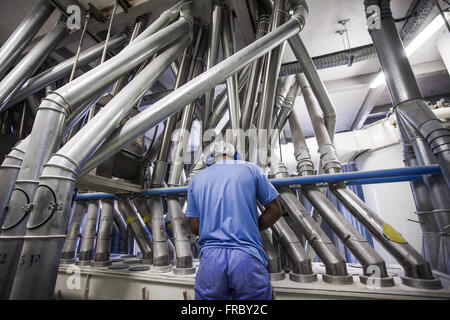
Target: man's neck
223 158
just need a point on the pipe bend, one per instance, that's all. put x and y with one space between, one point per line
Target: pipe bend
56 101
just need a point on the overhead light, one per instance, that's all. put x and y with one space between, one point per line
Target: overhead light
418 42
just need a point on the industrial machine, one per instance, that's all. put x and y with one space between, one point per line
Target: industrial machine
98 149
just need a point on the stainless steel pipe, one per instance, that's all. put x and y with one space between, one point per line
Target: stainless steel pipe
12 82
69 251
103 245
89 234
23 35
189 92
55 73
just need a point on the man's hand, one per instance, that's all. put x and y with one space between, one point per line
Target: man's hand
270 215
194 224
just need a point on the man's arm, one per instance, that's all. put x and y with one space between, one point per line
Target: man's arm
270 215
194 225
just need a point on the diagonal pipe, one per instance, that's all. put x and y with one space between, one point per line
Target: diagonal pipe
89 234
12 82
69 250
98 79
103 244
357 244
192 90
23 35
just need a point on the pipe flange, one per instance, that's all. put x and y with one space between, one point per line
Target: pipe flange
303 278
184 271
429 284
161 269
83 262
101 264
382 282
66 261
328 278
277 276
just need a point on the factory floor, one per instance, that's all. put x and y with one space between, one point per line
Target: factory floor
86 282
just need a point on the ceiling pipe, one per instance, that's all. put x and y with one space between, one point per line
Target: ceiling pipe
23 35
55 108
192 90
355 242
89 234
69 251
213 54
14 80
404 89
288 106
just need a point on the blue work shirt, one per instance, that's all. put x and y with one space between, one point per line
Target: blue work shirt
223 196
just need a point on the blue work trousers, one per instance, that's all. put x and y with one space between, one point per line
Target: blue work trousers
226 273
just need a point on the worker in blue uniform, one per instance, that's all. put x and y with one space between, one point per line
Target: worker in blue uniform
222 201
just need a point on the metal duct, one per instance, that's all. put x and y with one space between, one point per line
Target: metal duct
89 234
213 52
143 240
192 90
57 72
69 251
23 35
12 82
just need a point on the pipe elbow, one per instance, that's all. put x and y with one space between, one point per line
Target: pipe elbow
301 12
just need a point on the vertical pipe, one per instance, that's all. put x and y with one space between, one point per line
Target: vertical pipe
88 236
24 33
103 247
404 89
273 259
118 219
232 84
251 91
69 250
213 52
161 257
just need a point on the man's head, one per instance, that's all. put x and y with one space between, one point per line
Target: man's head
223 150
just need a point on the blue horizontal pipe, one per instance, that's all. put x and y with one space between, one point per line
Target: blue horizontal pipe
359 177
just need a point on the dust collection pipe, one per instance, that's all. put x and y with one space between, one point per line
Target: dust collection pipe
88 236
142 239
69 250
372 263
252 88
284 87
192 90
23 35
55 73
404 89
431 238
213 54
103 245
99 78
234 105
14 80
317 86
437 189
